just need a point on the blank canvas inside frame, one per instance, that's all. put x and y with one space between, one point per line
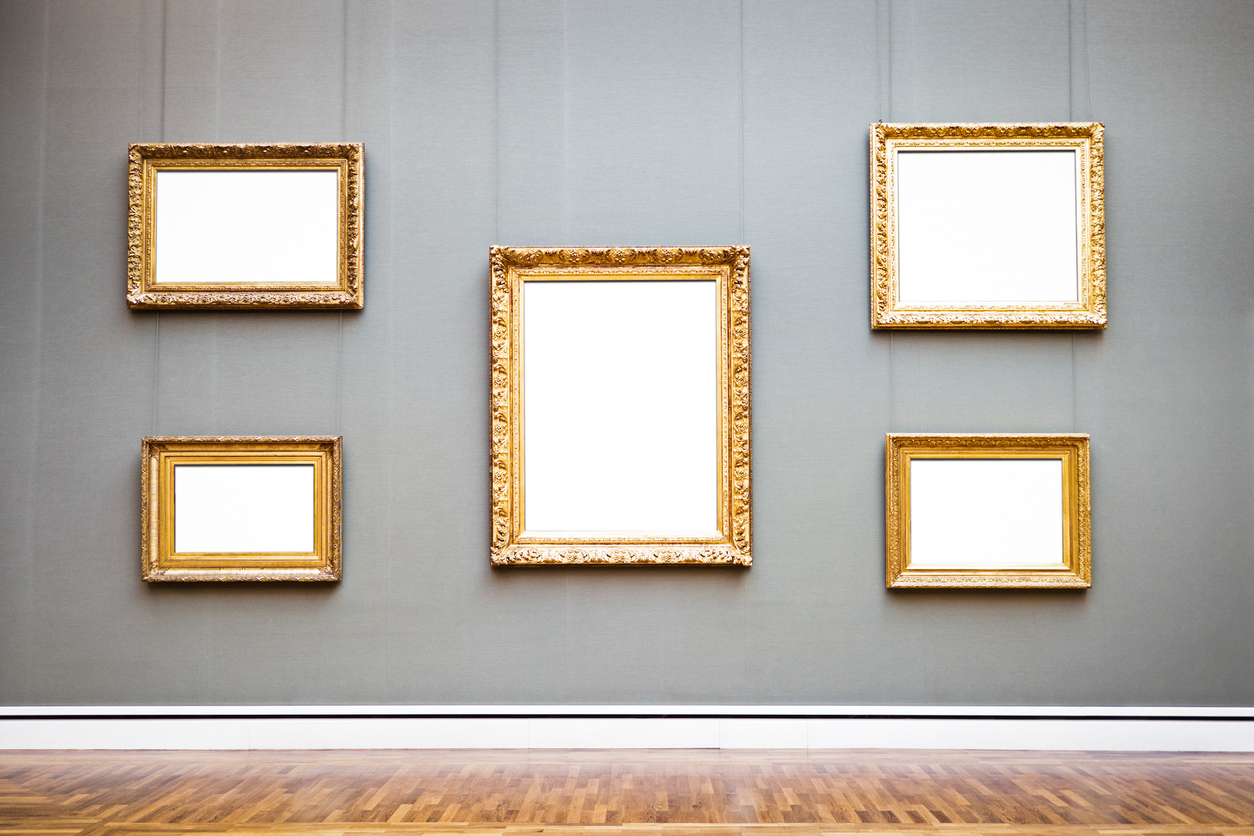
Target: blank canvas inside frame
244 509
620 407
986 513
266 226
988 226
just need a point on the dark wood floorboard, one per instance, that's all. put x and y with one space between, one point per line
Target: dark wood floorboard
581 792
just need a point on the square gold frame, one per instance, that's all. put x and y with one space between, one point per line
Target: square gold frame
1086 138
162 453
143 293
729 267
1075 571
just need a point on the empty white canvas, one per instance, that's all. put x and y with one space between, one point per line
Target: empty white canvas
240 509
987 226
620 426
247 227
986 512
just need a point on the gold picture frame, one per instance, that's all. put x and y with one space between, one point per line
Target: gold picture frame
982 519
978 253
559 271
342 286
314 461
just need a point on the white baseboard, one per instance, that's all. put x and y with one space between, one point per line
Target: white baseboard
1193 729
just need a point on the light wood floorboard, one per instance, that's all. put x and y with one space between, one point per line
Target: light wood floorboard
632 793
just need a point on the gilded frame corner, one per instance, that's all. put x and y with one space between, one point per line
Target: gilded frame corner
160 454
730 267
142 291
1086 138
1075 571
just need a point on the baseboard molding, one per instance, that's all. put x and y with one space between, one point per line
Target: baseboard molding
1159 728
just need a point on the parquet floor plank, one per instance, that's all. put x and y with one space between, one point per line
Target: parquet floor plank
624 793
633 830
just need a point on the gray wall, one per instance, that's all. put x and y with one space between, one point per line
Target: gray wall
634 122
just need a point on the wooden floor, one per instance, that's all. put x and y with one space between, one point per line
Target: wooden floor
579 793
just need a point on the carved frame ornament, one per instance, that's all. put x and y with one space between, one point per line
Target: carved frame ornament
1086 138
1075 570
729 266
160 456
142 291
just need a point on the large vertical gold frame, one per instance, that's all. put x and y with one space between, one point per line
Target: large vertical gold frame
160 456
1071 448
142 292
729 267
1086 138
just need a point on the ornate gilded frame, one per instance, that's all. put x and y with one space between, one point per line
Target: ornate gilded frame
162 453
1075 571
142 292
729 266
887 310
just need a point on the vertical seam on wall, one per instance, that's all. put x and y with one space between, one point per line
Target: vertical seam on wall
32 491
156 348
1071 118
1071 73
1074 405
742 123
344 82
892 387
390 434
566 576
1088 115
1088 70
496 121
217 137
1078 99
165 17
339 374
156 370
912 56
217 72
565 126
339 325
884 50
888 58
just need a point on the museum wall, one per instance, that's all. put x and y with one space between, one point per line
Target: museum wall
636 122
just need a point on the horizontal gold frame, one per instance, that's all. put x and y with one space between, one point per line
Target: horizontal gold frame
729 266
145 160
1072 448
162 453
887 310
